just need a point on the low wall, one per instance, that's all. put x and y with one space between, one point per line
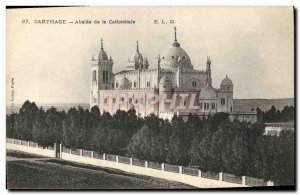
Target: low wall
196 181
29 147
186 175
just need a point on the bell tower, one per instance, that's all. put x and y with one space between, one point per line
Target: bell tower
105 76
102 77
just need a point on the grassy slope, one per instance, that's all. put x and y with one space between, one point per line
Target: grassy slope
55 174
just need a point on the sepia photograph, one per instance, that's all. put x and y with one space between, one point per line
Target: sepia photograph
152 98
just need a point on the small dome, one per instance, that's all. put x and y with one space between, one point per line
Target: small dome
227 81
165 79
137 58
102 54
208 93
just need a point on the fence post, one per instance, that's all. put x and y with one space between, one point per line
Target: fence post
70 150
146 164
117 158
80 152
60 150
180 169
55 150
221 176
244 180
270 183
103 156
199 174
162 166
28 143
92 154
130 161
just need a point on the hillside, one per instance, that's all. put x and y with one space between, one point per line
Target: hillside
263 104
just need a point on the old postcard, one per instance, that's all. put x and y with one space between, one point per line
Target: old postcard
150 98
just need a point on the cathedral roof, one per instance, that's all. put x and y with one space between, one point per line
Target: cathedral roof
102 55
124 71
175 56
226 81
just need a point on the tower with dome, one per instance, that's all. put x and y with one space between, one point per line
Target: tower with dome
171 86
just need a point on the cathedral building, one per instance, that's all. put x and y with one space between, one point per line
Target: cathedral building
171 86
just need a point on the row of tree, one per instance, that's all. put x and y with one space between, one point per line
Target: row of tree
213 144
275 115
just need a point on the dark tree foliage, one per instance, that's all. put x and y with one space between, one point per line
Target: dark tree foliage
274 115
10 125
24 121
274 158
213 144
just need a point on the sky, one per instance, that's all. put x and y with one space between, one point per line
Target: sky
50 63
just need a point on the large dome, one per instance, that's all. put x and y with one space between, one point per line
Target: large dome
175 56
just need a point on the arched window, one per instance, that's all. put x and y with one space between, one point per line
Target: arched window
194 84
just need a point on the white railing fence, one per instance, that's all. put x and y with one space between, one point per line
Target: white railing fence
142 164
27 143
244 180
30 147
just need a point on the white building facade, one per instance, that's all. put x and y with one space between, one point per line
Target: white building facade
172 86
